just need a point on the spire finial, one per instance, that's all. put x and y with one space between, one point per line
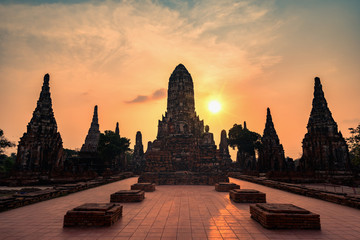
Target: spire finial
318 92
95 116
46 79
268 115
317 80
269 126
117 131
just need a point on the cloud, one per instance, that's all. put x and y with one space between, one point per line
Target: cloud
116 50
139 99
102 35
353 121
158 94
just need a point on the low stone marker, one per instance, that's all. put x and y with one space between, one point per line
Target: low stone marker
127 196
247 196
147 187
93 214
276 216
225 186
38 195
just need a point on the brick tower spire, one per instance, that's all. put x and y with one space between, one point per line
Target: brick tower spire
180 118
320 115
271 157
181 143
40 148
180 102
324 147
117 130
93 136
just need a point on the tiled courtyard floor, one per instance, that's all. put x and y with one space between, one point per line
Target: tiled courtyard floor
176 212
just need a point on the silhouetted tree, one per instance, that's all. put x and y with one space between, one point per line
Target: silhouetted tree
246 142
4 143
244 139
111 147
71 153
354 145
6 163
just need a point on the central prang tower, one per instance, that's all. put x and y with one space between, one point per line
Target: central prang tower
180 118
181 143
181 103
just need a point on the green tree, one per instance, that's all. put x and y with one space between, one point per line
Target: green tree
111 146
354 145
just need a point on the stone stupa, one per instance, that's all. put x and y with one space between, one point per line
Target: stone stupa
40 149
182 153
324 147
271 156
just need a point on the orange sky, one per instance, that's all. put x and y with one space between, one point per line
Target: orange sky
248 54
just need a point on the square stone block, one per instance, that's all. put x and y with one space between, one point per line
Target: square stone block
225 186
93 214
247 196
127 196
276 216
147 187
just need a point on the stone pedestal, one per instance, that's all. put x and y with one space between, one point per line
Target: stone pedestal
182 178
225 186
38 195
247 196
93 214
276 216
127 196
147 187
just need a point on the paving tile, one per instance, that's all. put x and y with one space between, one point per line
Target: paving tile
154 234
176 212
152 238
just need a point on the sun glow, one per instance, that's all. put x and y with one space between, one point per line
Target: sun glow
214 106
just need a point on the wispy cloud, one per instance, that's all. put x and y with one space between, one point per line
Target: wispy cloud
158 94
139 99
353 121
101 35
116 50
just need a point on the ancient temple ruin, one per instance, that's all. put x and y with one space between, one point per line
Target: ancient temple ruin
89 155
40 149
181 143
324 147
224 154
138 159
93 136
271 156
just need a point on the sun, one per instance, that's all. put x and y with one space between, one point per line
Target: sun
214 106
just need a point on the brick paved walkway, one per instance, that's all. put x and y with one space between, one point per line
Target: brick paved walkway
176 212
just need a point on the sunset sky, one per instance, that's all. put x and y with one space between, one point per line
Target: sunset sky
249 55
